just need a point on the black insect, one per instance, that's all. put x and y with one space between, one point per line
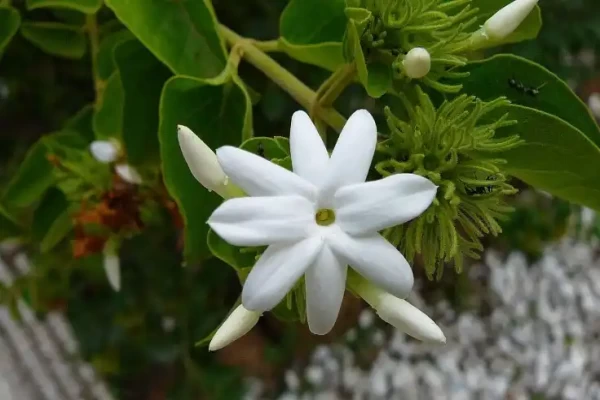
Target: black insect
479 190
260 150
520 87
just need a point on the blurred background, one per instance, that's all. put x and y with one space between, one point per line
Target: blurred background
522 323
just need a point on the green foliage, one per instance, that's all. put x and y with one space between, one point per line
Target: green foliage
9 24
206 107
142 78
314 37
56 38
108 115
84 6
555 157
186 40
539 89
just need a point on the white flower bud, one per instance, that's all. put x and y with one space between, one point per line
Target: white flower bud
417 63
105 151
239 322
202 161
112 267
128 174
400 314
507 19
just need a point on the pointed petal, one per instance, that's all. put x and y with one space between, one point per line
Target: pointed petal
325 285
309 155
276 272
112 267
375 259
260 221
237 324
260 177
373 206
352 155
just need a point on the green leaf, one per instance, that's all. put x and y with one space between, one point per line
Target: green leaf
556 156
236 257
9 228
52 205
312 31
105 62
35 174
85 6
219 111
59 229
82 123
108 116
490 78
181 34
55 38
268 148
142 77
9 24
528 29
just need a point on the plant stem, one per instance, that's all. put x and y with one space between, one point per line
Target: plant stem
268 46
304 95
91 27
340 79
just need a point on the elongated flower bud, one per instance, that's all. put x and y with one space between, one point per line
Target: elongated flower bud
105 151
239 322
202 162
128 174
417 63
507 19
112 266
401 314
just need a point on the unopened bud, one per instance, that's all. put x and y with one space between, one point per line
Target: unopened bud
400 314
128 174
112 266
202 162
239 322
508 19
105 151
417 63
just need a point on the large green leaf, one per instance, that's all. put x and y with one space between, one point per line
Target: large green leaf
217 111
9 24
181 34
312 31
55 38
528 29
82 123
85 6
105 61
556 156
108 116
491 78
143 77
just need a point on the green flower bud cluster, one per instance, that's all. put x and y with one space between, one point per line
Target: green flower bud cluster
389 29
454 147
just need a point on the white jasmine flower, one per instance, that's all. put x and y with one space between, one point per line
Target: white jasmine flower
239 322
202 162
417 63
401 314
128 173
507 20
112 266
105 151
319 218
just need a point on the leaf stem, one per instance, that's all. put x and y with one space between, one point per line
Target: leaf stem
304 95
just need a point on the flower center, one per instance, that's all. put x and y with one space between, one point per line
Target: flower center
325 217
